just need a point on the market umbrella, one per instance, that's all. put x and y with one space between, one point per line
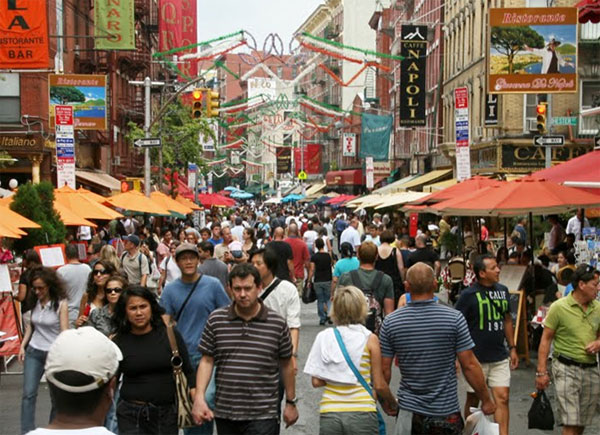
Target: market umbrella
83 205
231 189
70 218
170 204
135 201
520 197
11 232
340 199
291 197
240 194
180 199
273 200
472 184
11 218
91 195
214 199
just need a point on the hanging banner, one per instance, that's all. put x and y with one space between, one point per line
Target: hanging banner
86 93
177 28
375 136
461 117
284 160
116 20
312 159
412 75
533 50
24 35
65 146
349 145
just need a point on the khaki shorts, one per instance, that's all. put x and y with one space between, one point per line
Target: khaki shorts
496 374
577 393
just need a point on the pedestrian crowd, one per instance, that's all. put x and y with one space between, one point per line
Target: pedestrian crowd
224 300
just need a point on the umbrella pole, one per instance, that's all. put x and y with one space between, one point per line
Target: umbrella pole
531 235
460 236
505 234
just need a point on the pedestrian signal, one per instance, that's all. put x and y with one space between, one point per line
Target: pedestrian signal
197 103
212 104
541 110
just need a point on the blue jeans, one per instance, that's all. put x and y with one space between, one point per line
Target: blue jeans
32 374
323 291
209 395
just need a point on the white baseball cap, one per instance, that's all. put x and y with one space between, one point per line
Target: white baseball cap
85 350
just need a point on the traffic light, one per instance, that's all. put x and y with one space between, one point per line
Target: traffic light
541 110
212 104
197 103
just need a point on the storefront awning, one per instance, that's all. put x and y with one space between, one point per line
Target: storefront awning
351 177
315 189
99 179
394 187
430 177
436 187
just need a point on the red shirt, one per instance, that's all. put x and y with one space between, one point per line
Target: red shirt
300 255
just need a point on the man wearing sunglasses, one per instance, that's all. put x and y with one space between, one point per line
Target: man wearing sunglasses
573 323
75 276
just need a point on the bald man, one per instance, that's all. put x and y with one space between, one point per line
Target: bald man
285 263
427 337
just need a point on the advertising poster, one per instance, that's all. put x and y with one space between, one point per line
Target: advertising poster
177 28
461 118
86 93
23 35
533 50
116 20
412 75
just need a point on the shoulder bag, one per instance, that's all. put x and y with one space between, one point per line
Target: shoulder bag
360 378
184 401
187 299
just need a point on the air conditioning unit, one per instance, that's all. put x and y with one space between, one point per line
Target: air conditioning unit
117 161
531 124
478 131
76 50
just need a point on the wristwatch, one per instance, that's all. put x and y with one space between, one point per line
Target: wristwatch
292 401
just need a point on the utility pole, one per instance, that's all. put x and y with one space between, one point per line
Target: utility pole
147 84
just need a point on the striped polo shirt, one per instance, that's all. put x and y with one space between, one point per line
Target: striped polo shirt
350 398
426 336
246 356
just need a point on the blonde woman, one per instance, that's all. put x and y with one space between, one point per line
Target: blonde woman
109 254
346 406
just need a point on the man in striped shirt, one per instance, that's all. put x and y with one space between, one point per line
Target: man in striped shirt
427 337
248 344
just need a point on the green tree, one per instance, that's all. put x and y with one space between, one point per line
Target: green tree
5 159
36 202
66 94
509 40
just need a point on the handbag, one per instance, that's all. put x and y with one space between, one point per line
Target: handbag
360 378
309 294
540 415
184 401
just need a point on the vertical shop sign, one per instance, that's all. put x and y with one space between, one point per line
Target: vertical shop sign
115 19
461 119
412 75
24 35
65 146
349 145
177 28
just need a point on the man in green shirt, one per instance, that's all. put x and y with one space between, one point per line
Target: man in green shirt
573 322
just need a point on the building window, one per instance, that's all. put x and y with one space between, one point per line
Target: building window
590 97
530 105
10 99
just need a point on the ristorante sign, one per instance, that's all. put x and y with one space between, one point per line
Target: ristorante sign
412 75
177 28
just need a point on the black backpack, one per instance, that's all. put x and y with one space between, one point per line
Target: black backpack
374 313
140 262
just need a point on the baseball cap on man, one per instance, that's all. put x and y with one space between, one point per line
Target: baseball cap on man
235 248
186 247
87 351
133 239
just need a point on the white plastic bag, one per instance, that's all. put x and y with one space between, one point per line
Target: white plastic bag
478 424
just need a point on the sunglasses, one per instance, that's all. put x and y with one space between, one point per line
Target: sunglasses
114 290
100 272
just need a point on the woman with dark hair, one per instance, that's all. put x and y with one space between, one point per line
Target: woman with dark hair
26 295
389 261
320 269
94 296
249 243
147 403
101 318
49 316
348 263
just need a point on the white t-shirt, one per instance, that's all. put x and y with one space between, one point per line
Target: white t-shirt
351 236
75 278
309 237
85 233
96 430
173 271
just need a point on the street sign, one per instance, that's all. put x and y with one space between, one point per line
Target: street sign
564 120
549 141
302 175
147 142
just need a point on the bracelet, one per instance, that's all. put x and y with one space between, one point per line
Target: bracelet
295 354
539 374
512 347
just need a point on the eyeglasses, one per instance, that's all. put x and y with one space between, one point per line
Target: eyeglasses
100 272
114 290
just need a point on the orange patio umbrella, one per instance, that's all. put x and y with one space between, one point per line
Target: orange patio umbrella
11 218
519 197
169 203
180 199
83 206
464 187
91 195
70 218
11 232
135 201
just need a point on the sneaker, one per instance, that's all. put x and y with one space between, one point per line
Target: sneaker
329 322
321 322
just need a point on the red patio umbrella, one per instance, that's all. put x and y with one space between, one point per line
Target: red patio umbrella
340 199
519 197
214 199
589 10
470 185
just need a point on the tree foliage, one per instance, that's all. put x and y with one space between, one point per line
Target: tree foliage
36 202
510 40
5 159
67 94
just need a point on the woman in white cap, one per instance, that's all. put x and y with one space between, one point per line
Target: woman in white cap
49 317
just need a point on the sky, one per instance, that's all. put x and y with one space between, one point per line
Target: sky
259 17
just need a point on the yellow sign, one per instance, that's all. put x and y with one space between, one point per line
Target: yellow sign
302 175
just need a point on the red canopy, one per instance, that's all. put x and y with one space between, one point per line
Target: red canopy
214 199
520 197
340 199
472 184
589 10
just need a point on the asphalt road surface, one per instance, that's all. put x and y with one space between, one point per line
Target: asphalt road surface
522 385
